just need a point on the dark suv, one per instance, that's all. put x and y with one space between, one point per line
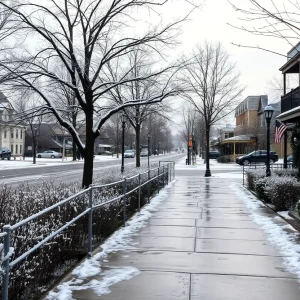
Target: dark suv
258 156
213 154
5 153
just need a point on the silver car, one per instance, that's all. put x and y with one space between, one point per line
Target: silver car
129 153
49 154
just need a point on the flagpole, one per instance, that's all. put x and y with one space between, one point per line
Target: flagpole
285 150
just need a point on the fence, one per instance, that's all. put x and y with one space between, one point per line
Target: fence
148 182
263 167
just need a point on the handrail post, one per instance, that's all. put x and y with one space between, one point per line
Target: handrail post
173 170
90 223
158 180
139 193
168 173
5 278
124 202
148 185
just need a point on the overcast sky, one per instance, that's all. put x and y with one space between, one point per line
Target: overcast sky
256 67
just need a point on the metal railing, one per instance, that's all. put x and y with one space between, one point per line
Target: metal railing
164 174
262 166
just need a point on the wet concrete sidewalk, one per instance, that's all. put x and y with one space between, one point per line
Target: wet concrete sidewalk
201 244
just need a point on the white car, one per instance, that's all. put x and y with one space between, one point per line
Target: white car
49 154
129 153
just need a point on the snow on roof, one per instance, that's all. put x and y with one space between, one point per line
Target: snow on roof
238 138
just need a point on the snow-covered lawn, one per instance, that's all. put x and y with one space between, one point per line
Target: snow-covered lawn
41 162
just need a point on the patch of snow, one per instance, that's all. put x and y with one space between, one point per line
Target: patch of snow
200 165
285 214
42 162
284 242
120 240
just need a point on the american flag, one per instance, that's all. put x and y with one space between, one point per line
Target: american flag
280 128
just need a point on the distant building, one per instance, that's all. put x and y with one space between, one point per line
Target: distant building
12 134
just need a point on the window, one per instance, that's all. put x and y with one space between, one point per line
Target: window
16 149
12 149
21 152
5 134
21 134
17 133
12 133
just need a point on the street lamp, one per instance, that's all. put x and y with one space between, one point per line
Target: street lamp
148 150
123 119
268 112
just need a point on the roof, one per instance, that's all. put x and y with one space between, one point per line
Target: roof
238 138
257 103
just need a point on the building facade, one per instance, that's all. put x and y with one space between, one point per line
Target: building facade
12 134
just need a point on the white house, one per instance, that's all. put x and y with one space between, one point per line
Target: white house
12 134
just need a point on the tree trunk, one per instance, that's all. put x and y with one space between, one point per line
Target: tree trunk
207 171
73 142
138 145
88 154
34 150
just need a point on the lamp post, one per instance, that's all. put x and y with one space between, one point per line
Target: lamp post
123 118
148 150
268 112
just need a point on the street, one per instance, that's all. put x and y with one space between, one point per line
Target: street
71 171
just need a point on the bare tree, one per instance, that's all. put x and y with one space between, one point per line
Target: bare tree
140 63
213 85
274 18
84 36
29 112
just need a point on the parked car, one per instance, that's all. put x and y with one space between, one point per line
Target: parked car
105 153
290 159
129 153
144 152
213 154
49 154
5 153
258 156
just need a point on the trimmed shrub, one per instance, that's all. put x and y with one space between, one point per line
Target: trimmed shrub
260 188
284 192
253 175
223 159
285 172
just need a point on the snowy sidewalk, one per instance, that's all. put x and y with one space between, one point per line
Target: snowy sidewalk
201 238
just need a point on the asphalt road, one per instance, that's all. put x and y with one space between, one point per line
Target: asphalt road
70 172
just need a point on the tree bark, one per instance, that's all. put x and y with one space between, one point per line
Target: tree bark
207 171
88 154
138 145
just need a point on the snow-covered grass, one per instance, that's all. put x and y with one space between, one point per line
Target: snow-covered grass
285 242
120 240
200 165
41 162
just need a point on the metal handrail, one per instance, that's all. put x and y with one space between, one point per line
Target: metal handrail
7 229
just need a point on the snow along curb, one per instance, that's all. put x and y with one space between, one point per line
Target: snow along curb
284 242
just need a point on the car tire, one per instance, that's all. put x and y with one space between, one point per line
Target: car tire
52 156
8 157
39 156
2 157
246 162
